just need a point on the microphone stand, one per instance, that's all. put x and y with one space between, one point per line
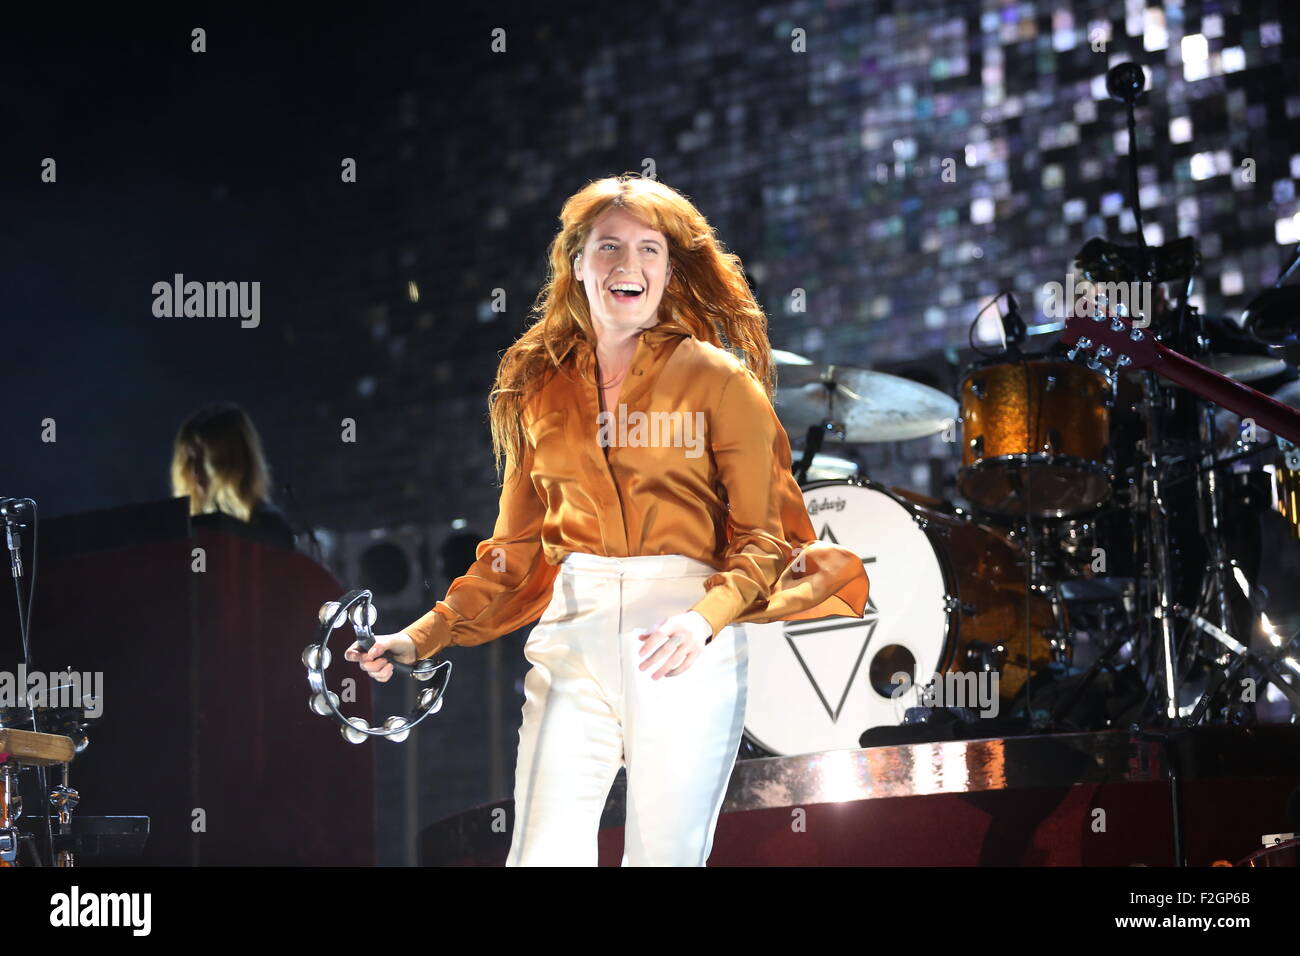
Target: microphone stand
1126 83
11 511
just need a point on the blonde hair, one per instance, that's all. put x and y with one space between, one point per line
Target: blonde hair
220 441
707 296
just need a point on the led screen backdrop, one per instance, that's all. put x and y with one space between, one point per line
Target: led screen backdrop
1014 96
881 168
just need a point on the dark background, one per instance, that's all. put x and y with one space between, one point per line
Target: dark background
820 169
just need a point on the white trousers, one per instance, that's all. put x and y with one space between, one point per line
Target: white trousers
589 709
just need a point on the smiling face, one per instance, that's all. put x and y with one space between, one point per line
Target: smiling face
624 269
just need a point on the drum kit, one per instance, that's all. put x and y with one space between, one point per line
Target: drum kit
1124 493
1110 518
63 735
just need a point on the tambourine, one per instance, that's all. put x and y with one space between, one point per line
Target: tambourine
358 607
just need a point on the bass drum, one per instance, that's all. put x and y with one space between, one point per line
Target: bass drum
946 594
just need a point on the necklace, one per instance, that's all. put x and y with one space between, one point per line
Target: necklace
611 384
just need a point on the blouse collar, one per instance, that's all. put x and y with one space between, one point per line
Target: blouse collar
654 337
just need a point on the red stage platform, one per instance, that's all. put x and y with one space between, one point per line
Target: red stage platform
1096 799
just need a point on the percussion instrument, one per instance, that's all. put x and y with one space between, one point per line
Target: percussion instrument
826 467
356 606
781 357
1276 461
948 594
1274 316
858 405
1286 487
1036 438
19 749
1246 367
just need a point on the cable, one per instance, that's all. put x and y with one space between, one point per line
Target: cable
970 331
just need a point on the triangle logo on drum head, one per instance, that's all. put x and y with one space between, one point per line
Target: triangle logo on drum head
825 687
828 535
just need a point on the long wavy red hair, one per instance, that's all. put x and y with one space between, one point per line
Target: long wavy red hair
707 295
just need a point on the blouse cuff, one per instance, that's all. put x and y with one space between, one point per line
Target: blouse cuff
431 633
720 606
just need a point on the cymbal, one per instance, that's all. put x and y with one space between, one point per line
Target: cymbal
1246 368
1288 394
872 406
780 357
825 467
1234 353
1273 316
1227 423
1101 260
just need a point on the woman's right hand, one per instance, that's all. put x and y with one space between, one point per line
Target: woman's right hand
399 645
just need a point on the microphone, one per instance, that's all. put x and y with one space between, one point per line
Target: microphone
1126 83
1013 325
10 507
15 550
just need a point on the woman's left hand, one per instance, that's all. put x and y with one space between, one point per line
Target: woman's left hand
676 641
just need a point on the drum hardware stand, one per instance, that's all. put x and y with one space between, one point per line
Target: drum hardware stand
1221 677
1160 566
1284 480
1067 702
1242 653
1208 486
64 800
1219 564
1033 580
1150 513
1126 83
1159 573
1037 580
813 443
1155 600
23 750
11 808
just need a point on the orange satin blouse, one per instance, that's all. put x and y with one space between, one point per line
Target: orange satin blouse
698 464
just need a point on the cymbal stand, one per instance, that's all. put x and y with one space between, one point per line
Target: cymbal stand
817 434
1275 669
1159 594
1157 608
812 445
1220 568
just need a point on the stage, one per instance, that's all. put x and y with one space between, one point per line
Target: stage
1095 799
